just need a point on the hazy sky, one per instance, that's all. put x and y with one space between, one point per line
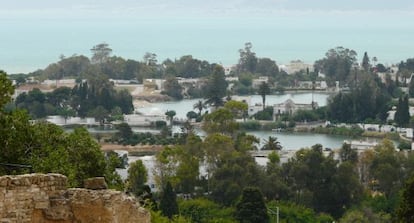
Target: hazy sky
195 7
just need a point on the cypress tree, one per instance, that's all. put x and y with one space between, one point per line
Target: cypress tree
168 203
402 115
365 62
405 113
252 208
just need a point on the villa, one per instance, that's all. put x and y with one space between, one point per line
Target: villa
290 107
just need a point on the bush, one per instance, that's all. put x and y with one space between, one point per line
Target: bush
404 145
266 114
250 126
160 124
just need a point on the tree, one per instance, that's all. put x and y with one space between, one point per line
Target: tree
405 211
366 215
199 105
365 62
238 108
192 115
251 208
248 59
272 144
267 67
172 88
150 59
6 89
137 177
263 91
216 87
124 133
100 113
337 65
385 169
402 115
100 53
170 115
85 155
168 203
348 154
220 121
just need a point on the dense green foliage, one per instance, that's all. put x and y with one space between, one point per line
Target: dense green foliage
168 202
251 208
79 66
367 100
216 87
95 98
402 115
172 88
6 89
265 114
337 65
405 212
201 210
137 177
44 147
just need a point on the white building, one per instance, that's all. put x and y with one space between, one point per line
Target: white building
60 120
143 120
296 66
290 107
318 85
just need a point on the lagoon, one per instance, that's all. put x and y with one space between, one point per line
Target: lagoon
184 106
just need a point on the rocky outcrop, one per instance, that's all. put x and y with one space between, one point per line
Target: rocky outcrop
45 198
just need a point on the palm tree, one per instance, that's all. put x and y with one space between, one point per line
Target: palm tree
272 144
264 90
199 105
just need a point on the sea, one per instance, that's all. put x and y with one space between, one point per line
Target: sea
28 43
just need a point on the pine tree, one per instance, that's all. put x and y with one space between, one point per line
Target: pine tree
252 208
216 87
168 203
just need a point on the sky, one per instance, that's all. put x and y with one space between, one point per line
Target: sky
82 23
195 7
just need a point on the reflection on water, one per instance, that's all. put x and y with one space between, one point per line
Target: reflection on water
184 106
296 140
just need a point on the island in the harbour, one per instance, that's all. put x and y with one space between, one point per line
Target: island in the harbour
322 142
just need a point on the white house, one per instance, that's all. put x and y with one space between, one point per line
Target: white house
143 120
290 107
296 66
60 120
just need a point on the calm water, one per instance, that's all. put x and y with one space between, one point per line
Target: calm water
184 106
28 43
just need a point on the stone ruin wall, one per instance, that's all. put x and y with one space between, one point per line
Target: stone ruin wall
45 198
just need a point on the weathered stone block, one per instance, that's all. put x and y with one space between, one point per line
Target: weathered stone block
95 183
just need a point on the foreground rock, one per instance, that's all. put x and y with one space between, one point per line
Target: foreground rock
45 198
